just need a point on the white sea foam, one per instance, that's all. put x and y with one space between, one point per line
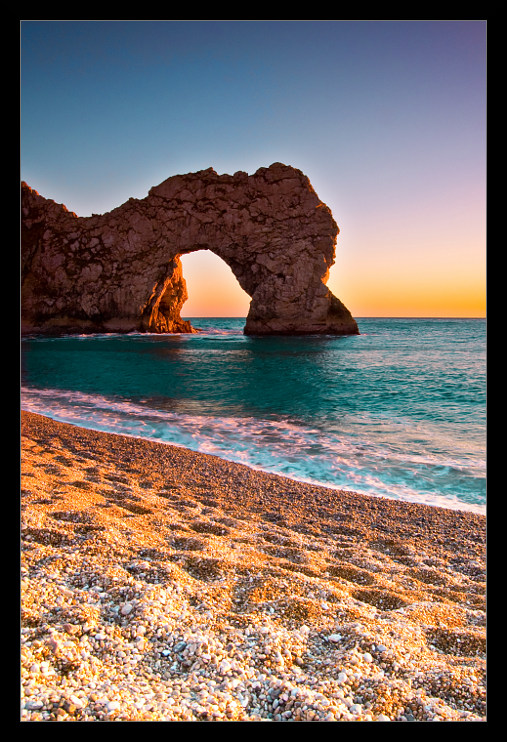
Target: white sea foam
279 446
398 411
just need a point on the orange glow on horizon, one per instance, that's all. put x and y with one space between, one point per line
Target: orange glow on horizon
416 280
213 290
394 292
418 297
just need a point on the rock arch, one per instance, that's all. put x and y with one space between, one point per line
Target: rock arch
121 271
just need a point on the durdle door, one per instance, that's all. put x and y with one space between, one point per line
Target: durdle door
121 271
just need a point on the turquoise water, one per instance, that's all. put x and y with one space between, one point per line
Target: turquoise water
397 411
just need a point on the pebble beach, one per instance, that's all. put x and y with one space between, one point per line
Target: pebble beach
160 584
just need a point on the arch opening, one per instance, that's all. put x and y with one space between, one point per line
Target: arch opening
212 288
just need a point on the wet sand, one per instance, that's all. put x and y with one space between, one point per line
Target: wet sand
159 584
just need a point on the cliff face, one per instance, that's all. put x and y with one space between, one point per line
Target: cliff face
121 271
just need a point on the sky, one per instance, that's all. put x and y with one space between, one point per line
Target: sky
386 118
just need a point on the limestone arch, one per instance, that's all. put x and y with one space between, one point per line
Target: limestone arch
121 271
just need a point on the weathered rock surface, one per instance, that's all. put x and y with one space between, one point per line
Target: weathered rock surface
121 271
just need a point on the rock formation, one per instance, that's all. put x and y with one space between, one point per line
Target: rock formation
121 271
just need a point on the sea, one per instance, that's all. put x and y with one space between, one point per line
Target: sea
398 411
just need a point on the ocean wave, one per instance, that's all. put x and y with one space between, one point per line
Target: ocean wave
350 460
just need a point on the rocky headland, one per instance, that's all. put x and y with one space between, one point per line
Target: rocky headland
121 271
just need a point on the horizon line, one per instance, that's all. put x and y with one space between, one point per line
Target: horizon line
365 316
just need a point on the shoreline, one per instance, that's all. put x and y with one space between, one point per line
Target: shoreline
438 501
158 583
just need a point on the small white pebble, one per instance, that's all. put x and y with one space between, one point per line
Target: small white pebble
77 702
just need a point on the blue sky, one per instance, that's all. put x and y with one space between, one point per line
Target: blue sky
387 119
